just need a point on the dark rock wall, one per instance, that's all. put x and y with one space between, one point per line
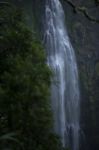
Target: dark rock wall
84 36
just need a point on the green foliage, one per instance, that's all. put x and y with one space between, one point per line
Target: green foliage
24 87
10 137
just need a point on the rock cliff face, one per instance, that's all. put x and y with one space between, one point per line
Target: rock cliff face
84 36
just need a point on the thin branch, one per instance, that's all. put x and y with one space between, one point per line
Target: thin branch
6 4
83 10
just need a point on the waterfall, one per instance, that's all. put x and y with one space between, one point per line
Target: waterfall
64 88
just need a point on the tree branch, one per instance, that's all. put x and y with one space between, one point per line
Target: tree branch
83 10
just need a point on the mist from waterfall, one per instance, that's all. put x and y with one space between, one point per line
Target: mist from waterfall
65 88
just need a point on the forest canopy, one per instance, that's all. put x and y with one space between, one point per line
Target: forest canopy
25 111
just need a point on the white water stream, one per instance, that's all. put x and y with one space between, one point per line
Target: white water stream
65 87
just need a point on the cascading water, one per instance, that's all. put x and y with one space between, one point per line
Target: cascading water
65 90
